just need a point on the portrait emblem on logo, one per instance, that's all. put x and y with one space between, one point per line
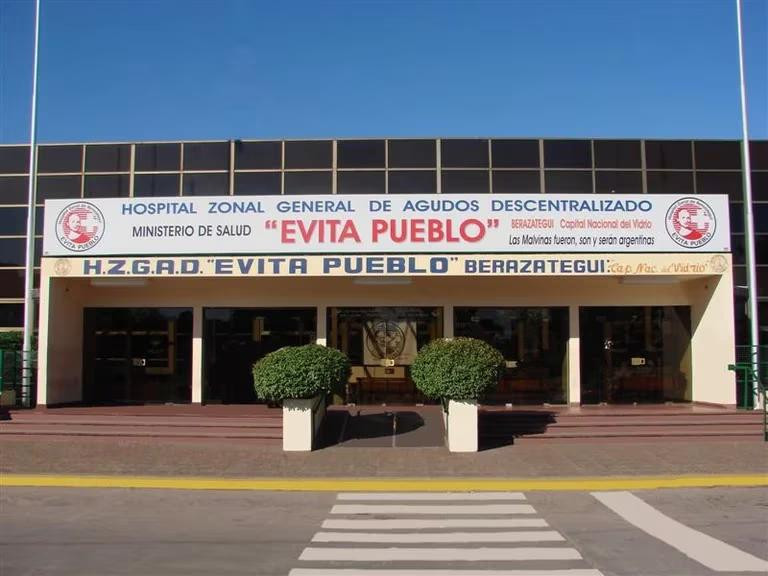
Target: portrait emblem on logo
80 226
62 267
690 222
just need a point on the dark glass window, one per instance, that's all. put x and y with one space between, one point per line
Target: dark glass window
567 154
412 182
60 158
206 156
38 251
412 154
13 221
617 154
670 182
360 154
515 153
761 249
14 189
516 182
14 159
158 157
610 182
257 183
464 182
108 158
107 186
11 284
258 155
760 217
668 155
762 291
562 182
736 212
758 154
56 187
39 219
720 183
308 183
12 251
206 184
308 154
12 315
360 182
760 185
156 185
464 153
717 155
738 250
739 276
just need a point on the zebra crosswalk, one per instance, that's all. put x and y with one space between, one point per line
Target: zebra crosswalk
430 534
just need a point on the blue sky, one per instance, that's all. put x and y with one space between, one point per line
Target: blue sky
221 69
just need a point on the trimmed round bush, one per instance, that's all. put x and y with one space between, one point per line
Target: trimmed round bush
300 372
457 369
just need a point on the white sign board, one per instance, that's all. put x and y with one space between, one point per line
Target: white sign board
497 223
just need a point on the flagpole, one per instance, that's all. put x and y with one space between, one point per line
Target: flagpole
749 231
29 271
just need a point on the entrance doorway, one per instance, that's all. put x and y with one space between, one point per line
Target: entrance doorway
235 338
137 355
639 354
533 342
381 344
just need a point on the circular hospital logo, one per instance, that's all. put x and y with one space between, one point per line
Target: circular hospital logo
690 222
385 339
80 226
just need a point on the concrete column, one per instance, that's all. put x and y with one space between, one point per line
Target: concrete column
42 339
574 356
712 340
197 355
448 321
322 329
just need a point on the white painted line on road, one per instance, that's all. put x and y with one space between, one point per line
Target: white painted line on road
710 552
439 537
437 554
416 509
431 496
413 524
428 572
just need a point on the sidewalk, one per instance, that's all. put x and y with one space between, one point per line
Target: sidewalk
243 458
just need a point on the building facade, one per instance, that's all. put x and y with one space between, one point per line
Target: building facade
568 338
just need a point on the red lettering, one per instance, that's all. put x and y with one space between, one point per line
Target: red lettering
379 227
287 232
465 232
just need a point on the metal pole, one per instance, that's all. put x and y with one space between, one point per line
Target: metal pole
749 230
29 271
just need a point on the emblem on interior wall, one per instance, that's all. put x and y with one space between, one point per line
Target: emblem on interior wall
690 222
79 226
385 339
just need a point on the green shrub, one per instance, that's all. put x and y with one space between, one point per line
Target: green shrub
457 369
11 340
300 372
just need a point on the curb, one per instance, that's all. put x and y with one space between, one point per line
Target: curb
384 484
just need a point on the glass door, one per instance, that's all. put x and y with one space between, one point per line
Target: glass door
638 354
137 355
381 344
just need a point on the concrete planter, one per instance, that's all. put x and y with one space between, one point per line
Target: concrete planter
301 421
461 425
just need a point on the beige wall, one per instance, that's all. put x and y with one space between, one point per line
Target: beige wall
710 299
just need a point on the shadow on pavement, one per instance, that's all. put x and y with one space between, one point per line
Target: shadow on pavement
498 428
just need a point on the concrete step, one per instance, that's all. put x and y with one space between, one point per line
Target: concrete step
145 431
186 421
624 431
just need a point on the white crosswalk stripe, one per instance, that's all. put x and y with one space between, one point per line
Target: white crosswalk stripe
481 528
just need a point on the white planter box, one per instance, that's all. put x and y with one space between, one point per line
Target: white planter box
301 421
462 425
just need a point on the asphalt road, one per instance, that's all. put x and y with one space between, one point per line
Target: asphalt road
109 532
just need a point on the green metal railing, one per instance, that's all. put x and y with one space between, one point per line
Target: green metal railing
751 370
12 378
